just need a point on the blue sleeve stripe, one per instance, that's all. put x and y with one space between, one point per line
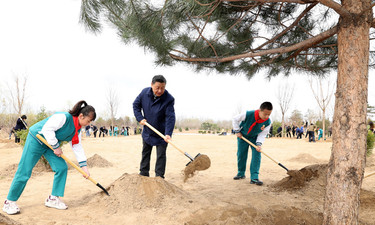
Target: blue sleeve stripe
56 145
83 163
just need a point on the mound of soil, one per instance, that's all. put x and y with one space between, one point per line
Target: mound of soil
139 192
236 214
4 220
306 158
40 167
313 175
98 161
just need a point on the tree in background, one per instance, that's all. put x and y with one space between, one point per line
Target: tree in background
17 93
279 36
323 94
284 97
113 103
296 117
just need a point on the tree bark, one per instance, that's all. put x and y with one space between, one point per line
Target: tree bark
347 162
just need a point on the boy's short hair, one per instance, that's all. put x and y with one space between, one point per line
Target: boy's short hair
266 105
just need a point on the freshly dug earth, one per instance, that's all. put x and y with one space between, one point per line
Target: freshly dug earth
201 162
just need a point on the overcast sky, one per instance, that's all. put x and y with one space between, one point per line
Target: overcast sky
64 64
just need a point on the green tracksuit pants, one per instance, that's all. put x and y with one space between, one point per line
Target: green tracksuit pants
32 152
242 151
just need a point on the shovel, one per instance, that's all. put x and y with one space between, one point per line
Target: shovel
289 172
170 142
72 164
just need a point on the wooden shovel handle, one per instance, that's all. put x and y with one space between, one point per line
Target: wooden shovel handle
250 143
163 136
66 159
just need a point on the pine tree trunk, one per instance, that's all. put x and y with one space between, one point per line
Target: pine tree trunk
347 162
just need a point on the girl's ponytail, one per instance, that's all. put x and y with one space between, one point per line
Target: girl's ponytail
84 108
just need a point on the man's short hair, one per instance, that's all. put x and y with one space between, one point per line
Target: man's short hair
159 78
266 105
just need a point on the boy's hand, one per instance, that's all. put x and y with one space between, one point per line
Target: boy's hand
143 122
239 135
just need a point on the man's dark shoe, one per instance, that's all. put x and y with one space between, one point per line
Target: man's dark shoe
144 174
256 181
239 177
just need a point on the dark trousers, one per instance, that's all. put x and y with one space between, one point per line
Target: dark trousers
311 136
161 160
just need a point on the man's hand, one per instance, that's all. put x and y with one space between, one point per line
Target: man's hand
58 152
143 122
239 135
259 148
167 138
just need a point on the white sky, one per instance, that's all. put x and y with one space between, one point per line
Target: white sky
64 64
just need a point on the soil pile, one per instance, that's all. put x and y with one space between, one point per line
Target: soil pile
201 162
306 158
313 175
98 161
236 214
39 168
133 191
4 220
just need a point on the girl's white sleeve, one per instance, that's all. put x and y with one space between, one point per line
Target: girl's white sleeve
55 122
262 135
79 152
237 121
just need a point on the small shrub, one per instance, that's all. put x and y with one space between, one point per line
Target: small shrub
370 142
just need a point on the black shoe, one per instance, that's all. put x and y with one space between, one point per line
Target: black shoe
256 181
144 174
160 176
239 177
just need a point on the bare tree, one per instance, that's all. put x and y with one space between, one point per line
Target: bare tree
323 95
113 103
284 97
18 93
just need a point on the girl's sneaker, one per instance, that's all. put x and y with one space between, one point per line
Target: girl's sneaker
11 207
55 202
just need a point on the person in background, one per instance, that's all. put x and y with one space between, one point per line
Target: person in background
371 126
254 126
60 127
94 130
20 125
157 105
87 128
311 131
102 131
320 133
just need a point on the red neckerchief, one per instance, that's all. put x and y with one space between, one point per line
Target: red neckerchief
257 120
75 139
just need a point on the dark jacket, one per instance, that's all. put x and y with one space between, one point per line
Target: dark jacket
159 113
20 125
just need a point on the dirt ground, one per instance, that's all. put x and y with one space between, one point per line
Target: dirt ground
209 197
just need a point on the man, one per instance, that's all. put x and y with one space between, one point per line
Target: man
20 125
158 110
311 131
253 125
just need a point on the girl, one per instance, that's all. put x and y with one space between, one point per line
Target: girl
61 126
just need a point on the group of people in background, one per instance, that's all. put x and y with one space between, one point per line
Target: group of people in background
112 131
307 130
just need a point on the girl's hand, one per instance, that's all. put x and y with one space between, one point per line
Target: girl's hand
58 152
86 170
